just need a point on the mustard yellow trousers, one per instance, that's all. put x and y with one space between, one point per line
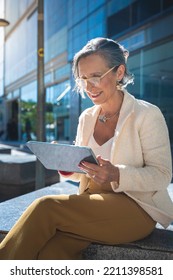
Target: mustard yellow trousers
60 227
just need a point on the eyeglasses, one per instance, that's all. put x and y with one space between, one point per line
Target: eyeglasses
95 81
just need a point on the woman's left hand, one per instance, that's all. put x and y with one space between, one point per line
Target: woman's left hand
103 173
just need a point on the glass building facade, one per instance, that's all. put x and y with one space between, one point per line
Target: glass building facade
144 27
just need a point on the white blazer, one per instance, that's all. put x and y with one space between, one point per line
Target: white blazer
141 151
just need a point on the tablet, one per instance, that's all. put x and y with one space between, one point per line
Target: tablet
62 157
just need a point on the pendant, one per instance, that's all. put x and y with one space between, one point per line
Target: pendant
102 118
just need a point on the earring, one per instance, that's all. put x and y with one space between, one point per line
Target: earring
118 85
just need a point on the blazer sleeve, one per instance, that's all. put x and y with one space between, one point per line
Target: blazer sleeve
156 173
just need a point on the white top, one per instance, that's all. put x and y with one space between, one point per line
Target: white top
103 150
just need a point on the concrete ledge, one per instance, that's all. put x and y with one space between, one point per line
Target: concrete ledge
5 150
12 209
17 175
15 169
157 246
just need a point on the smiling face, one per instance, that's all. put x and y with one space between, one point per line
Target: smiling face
95 66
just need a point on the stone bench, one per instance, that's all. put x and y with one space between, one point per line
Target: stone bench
159 245
4 150
11 210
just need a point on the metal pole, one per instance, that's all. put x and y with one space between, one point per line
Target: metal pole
40 170
4 23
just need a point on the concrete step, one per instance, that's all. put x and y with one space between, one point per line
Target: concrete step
17 174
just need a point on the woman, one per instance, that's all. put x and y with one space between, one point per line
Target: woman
120 199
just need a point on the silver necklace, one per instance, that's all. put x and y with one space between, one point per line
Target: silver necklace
103 118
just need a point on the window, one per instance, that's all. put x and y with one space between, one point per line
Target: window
93 26
57 113
28 111
119 22
142 10
167 4
133 14
153 69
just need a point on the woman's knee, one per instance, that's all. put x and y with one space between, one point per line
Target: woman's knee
41 204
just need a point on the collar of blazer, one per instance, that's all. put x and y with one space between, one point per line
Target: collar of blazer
127 109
